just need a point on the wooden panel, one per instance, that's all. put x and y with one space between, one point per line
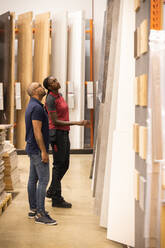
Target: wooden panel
76 74
41 47
24 72
143 142
59 49
144 37
137 4
5 34
143 90
105 109
136 137
12 76
162 226
137 91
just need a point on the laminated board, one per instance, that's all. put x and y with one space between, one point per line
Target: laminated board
105 109
24 73
112 91
59 40
100 97
12 77
5 71
41 47
121 188
76 74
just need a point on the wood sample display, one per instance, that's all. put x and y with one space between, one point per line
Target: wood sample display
143 90
41 47
144 37
24 24
59 41
143 142
136 137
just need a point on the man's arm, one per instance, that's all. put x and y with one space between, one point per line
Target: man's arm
57 122
37 125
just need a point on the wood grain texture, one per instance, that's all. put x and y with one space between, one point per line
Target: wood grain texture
143 142
24 72
143 90
41 47
136 137
144 37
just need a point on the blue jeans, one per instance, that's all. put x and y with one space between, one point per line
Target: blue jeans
38 181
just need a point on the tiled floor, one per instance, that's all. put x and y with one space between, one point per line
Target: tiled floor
77 227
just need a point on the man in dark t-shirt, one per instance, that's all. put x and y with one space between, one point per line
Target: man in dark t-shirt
59 124
37 144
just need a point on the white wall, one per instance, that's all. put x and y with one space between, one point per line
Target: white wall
39 6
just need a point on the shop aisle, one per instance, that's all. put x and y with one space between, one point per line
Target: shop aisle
77 227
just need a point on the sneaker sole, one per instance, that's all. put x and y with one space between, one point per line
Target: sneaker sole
49 224
58 206
31 217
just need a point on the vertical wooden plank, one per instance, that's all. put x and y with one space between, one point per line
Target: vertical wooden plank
143 90
136 137
24 71
144 37
5 42
41 47
12 76
59 49
143 142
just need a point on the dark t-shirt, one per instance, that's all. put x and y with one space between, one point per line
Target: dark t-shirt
35 111
56 103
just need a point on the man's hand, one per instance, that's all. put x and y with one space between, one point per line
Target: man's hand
45 157
84 123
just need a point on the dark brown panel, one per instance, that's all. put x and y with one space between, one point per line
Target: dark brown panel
5 32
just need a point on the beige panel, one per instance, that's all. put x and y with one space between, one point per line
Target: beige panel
12 78
41 47
162 226
24 71
136 137
144 37
136 184
143 142
137 4
137 91
143 90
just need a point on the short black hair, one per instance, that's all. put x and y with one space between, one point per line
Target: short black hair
46 83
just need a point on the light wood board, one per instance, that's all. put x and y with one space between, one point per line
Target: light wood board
41 47
24 72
